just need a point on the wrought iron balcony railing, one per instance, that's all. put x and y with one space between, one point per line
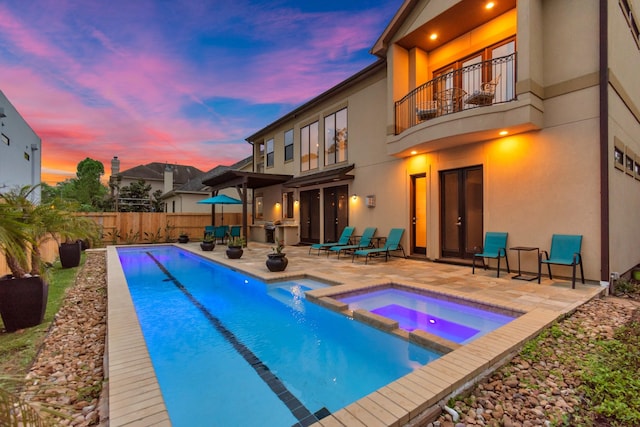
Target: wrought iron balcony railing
479 85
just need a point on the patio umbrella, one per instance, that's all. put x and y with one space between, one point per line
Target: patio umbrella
220 199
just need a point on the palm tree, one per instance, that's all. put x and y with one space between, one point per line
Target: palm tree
13 239
38 224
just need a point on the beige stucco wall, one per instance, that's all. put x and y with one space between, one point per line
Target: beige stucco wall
624 126
536 182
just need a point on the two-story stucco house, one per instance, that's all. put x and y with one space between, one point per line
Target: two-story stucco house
517 116
20 150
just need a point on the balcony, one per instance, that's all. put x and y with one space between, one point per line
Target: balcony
479 85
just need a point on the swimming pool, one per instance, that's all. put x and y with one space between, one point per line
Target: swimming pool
449 319
228 349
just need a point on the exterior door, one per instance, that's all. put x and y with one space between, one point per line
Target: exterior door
461 212
336 212
310 216
419 214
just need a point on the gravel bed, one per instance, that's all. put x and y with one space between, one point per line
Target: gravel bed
68 373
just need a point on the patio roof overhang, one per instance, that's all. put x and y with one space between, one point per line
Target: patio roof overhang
233 178
326 176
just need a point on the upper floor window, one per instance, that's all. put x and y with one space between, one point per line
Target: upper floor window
270 153
335 140
5 139
629 14
309 150
288 145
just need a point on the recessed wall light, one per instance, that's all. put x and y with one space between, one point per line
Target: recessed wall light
433 36
489 5
504 132
414 152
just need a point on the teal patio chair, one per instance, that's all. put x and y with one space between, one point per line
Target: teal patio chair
209 229
220 233
391 244
235 231
345 237
365 242
565 250
495 246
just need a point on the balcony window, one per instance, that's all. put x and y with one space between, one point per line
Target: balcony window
335 141
479 80
288 145
270 153
309 151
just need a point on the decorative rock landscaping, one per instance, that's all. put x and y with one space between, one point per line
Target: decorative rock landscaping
68 374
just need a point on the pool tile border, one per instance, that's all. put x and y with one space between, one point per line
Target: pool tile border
136 400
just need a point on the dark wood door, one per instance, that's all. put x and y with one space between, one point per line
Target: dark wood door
336 212
461 212
310 216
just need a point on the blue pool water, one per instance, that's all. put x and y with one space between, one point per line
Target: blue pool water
229 350
456 322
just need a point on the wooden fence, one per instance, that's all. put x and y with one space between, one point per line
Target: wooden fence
139 227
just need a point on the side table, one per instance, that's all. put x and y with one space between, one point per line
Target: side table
521 276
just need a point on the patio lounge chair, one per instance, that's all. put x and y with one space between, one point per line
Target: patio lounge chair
392 244
365 242
495 246
343 241
565 250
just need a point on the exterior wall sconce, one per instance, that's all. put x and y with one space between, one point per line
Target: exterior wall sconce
371 201
278 205
354 197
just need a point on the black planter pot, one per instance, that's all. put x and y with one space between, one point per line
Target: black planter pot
207 246
22 302
183 239
70 254
277 262
234 252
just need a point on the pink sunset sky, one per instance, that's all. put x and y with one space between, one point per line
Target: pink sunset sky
182 81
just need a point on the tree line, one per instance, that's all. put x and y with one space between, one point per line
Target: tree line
91 195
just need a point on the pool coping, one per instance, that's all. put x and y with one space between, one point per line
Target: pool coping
135 398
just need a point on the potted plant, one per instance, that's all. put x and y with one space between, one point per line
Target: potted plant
234 247
183 237
25 226
277 260
207 244
24 292
77 232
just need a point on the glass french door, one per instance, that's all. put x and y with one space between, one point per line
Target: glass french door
310 216
336 212
461 212
419 214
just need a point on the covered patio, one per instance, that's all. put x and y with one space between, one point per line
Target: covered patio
243 181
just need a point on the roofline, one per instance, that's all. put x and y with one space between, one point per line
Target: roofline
350 81
379 48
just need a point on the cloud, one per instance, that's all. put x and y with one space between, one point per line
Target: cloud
183 82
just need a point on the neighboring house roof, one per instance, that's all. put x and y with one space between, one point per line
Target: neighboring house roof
155 172
196 185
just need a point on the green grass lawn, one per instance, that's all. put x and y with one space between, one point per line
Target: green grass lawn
19 349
